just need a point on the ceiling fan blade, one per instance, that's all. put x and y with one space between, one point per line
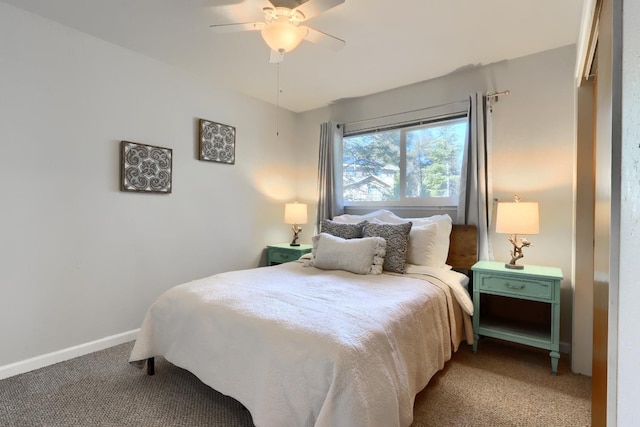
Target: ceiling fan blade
264 3
312 8
232 28
241 11
323 39
276 57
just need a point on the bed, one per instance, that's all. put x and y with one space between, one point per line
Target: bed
300 345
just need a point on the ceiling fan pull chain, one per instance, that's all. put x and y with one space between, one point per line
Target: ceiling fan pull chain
278 100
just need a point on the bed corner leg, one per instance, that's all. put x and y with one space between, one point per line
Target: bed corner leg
150 366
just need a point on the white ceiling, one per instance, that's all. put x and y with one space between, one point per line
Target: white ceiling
389 44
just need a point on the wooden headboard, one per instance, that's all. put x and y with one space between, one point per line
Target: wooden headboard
463 246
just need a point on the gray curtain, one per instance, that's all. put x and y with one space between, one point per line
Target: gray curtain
474 206
330 201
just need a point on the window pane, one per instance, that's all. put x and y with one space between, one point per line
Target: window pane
411 165
434 159
371 169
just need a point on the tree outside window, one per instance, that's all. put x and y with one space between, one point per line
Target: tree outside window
414 163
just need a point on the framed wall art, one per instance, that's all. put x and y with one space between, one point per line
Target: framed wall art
217 142
145 168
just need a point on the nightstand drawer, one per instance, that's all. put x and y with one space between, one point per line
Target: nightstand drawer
540 289
284 252
282 256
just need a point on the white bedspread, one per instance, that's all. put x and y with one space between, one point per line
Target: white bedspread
299 346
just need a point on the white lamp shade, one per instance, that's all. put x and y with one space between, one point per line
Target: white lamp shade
295 213
281 35
517 218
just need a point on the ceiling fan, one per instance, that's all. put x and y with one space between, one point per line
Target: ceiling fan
281 28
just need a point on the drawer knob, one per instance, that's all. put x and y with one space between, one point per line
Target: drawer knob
510 286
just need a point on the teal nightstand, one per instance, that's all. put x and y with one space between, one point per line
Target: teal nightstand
284 252
533 283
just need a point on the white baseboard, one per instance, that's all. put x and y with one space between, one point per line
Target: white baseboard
565 347
38 362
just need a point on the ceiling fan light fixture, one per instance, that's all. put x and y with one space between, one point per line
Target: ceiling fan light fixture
281 35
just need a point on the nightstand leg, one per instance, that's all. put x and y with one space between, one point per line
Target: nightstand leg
475 343
555 356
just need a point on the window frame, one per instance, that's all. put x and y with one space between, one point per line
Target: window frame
403 201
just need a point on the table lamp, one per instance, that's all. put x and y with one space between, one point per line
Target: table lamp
295 214
517 218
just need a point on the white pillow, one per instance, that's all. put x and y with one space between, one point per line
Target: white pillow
354 219
422 245
360 256
441 247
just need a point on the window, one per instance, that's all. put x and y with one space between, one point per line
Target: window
417 164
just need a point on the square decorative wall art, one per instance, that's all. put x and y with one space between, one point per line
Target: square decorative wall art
145 168
217 142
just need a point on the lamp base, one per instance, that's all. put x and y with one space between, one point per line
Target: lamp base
296 230
514 266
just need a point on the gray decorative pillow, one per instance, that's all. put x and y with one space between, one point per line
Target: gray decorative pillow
397 237
346 231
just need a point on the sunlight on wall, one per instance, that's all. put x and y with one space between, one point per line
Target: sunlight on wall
276 182
537 170
308 184
533 172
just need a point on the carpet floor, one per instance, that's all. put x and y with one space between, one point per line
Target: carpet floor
502 385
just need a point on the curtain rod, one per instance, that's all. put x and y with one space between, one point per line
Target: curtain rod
498 94
404 112
489 96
